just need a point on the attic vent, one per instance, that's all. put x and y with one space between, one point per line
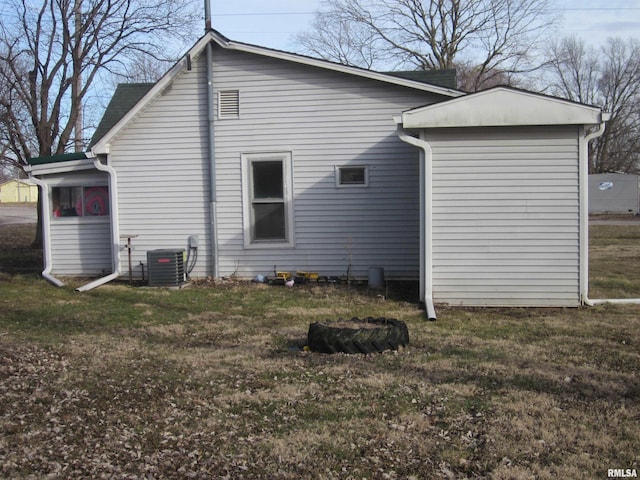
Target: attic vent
228 104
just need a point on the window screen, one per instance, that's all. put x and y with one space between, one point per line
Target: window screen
268 202
352 175
80 201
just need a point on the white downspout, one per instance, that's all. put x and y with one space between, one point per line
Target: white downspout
426 215
46 232
115 228
584 224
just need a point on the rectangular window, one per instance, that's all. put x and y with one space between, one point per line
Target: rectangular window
228 104
267 185
80 201
350 176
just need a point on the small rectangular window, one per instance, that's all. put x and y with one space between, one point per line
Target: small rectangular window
80 201
228 104
352 176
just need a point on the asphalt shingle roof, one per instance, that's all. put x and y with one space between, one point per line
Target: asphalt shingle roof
123 100
441 78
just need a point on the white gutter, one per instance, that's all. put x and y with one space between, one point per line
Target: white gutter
115 229
62 167
426 218
584 223
46 232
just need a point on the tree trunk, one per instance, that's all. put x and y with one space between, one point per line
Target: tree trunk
38 240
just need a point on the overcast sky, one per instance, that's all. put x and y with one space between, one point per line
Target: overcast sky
272 23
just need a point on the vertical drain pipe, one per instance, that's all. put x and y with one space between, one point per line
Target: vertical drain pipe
426 215
46 232
115 228
583 175
584 226
213 231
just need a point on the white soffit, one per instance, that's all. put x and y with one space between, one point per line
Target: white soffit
502 107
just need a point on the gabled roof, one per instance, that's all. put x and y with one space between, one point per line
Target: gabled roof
503 106
123 100
107 131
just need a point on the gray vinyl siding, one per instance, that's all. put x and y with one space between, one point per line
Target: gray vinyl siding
162 167
323 119
506 216
82 246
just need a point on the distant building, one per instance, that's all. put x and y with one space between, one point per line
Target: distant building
16 191
614 193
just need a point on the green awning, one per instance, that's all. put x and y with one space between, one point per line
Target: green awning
64 157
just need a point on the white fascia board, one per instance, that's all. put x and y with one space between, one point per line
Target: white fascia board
62 167
336 67
502 107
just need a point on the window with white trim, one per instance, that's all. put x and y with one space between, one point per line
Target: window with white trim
80 201
352 176
228 104
268 213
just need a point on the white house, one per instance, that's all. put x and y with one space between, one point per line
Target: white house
269 160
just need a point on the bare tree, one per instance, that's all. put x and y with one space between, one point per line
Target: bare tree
143 68
52 53
490 37
576 71
610 78
334 38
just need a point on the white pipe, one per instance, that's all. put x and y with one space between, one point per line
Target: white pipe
115 228
46 232
426 218
599 301
584 225
584 209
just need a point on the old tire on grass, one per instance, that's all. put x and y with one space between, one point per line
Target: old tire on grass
368 335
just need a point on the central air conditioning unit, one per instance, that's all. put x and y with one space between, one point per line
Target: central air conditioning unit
166 268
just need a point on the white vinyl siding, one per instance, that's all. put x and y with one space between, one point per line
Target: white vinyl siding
325 119
163 173
79 245
82 246
505 216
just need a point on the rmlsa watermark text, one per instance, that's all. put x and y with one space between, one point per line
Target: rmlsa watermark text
622 473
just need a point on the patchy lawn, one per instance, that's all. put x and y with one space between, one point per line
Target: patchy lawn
212 382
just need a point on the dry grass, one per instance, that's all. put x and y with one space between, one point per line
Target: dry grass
614 261
209 382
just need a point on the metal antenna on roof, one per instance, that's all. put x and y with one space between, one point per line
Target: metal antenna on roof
207 16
